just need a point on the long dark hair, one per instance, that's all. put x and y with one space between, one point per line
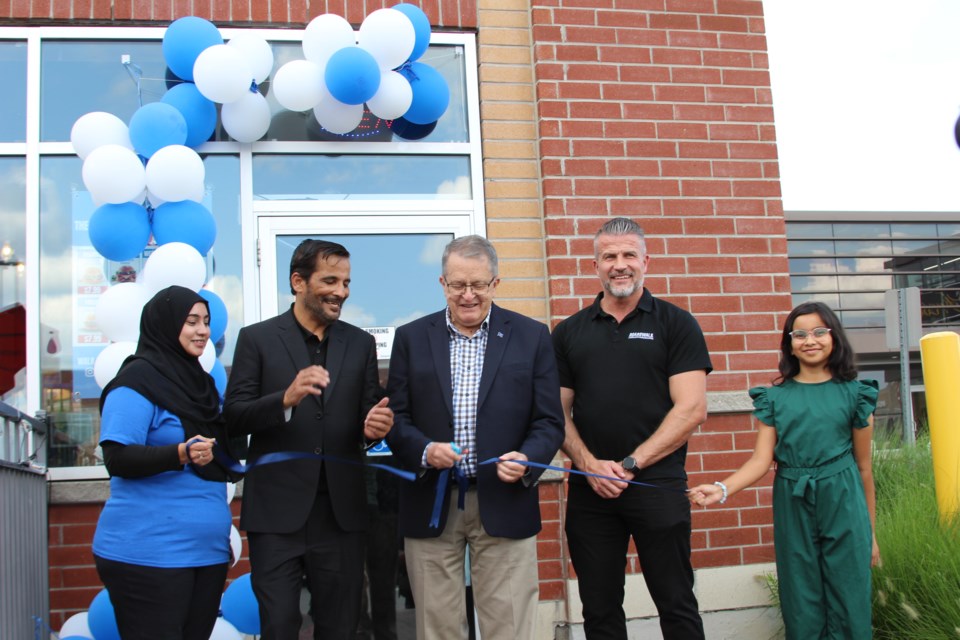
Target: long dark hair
841 361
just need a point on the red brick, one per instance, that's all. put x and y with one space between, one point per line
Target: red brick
715 557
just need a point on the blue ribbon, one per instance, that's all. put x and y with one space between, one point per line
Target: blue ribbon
443 479
283 456
538 465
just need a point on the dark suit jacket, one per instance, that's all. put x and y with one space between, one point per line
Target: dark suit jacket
277 497
518 410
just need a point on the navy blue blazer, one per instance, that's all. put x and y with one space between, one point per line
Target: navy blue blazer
518 409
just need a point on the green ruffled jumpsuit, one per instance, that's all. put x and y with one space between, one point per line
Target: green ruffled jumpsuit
821 526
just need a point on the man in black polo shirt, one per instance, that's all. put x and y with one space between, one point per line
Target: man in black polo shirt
633 385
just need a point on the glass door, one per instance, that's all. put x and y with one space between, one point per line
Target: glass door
395 270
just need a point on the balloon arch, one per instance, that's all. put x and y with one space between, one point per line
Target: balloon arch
147 180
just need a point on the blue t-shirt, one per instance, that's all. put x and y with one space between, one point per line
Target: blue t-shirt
173 519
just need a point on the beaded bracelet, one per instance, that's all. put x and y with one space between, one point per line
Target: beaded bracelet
723 488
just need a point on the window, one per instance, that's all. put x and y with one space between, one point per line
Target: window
428 184
849 265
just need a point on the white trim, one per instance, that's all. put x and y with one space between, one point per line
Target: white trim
269 227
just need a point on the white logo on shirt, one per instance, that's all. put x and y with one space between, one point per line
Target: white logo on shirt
640 335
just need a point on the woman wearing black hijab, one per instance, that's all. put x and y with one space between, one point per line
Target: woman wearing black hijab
162 544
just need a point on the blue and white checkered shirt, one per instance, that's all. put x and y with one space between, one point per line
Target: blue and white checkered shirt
466 365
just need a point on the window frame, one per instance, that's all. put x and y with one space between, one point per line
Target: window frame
32 149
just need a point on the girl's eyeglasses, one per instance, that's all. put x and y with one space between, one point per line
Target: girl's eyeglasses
802 334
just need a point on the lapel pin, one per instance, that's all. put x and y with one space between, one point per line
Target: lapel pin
499 334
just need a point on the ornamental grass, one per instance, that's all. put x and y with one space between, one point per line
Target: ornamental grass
916 590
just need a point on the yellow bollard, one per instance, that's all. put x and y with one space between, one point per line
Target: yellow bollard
940 354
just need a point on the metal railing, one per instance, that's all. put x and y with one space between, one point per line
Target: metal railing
24 566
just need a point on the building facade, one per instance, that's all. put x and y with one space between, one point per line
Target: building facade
562 115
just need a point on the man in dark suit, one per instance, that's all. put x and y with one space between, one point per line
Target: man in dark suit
471 383
306 382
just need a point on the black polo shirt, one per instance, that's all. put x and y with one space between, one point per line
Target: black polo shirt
620 375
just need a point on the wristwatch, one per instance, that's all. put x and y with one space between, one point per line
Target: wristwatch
629 463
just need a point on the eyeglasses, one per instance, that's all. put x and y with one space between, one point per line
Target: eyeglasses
478 288
802 334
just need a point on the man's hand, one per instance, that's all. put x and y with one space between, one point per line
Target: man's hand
309 382
441 455
379 421
603 487
510 471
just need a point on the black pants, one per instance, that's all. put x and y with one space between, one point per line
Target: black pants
383 548
331 560
598 534
152 603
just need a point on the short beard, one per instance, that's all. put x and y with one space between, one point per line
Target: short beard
319 313
622 292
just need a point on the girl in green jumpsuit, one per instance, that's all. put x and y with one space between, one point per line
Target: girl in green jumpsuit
816 422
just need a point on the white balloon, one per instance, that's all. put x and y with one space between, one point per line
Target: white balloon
247 119
298 85
118 311
174 263
208 357
337 117
222 73
175 173
76 625
113 174
389 36
223 630
107 364
257 52
325 35
154 200
96 129
236 545
393 98
231 491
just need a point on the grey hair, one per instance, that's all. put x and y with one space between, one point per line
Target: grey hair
473 247
618 227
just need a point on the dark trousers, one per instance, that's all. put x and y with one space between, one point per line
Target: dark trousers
598 534
153 603
331 560
383 549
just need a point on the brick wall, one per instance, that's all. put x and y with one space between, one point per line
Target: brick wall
660 110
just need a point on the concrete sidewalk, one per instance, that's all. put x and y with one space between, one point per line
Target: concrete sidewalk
760 623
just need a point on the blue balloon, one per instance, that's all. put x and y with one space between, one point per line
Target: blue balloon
421 27
219 375
183 42
240 607
352 75
430 93
405 129
156 125
218 315
199 112
185 221
101 618
119 232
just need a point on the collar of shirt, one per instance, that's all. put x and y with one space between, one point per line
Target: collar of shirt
454 331
645 304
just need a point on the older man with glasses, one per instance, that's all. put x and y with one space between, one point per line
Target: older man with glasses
475 393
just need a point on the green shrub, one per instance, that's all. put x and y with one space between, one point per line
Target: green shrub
916 590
